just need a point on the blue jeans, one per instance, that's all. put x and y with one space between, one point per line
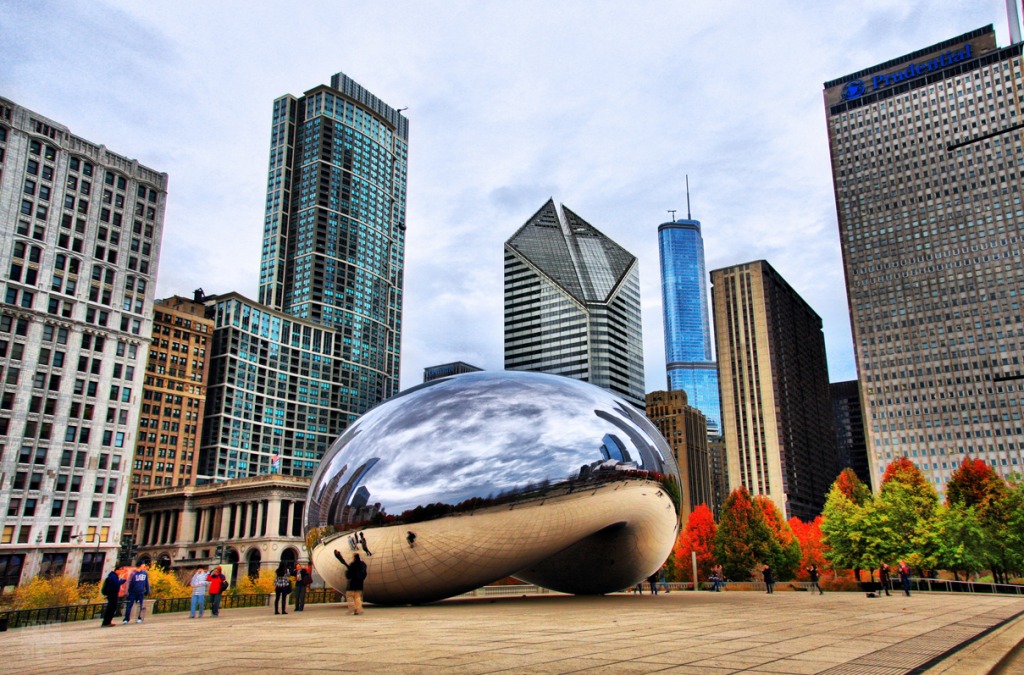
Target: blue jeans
198 602
132 599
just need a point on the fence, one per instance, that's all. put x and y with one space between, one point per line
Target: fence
49 615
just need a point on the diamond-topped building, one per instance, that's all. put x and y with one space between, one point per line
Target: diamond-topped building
572 303
926 159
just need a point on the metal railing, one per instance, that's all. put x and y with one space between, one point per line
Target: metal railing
50 615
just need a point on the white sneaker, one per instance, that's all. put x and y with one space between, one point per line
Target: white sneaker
138 621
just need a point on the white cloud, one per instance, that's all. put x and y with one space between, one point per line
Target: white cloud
602 105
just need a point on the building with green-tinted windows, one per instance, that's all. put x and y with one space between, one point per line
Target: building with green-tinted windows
322 345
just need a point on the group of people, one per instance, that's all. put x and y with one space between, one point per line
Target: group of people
138 589
214 583
885 577
283 587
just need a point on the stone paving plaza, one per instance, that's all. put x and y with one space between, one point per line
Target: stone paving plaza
682 632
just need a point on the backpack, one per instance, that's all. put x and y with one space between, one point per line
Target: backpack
283 582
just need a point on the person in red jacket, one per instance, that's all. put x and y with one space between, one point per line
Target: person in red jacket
218 584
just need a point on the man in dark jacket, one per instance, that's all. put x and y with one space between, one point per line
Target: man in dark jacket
355 572
111 590
769 578
303 578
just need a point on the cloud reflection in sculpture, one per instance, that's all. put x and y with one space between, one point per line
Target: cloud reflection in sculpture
469 479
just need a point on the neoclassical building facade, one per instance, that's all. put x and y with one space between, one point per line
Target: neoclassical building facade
248 523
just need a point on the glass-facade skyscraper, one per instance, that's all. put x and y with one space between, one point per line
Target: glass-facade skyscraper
334 232
572 304
684 295
927 160
321 347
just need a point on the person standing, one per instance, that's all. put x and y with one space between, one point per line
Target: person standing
199 583
355 572
813 572
218 584
885 577
138 589
303 578
282 589
769 578
904 570
652 582
111 591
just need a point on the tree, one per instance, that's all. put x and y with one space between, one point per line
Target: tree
842 527
698 536
974 483
47 591
812 548
784 549
906 504
958 540
850 484
743 540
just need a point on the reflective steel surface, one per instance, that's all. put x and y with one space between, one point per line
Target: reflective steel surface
465 480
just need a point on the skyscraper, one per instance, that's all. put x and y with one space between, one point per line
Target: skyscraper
81 243
322 346
684 295
851 450
572 304
776 410
334 233
926 160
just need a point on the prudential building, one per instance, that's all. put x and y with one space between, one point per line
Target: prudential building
927 157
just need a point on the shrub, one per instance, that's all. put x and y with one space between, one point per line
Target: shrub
55 591
164 584
246 585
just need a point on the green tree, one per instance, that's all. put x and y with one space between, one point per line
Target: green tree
784 549
959 542
843 523
743 540
906 502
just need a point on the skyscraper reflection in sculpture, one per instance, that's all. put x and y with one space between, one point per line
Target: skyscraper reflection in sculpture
463 481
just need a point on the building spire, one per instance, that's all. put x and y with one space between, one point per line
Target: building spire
688 197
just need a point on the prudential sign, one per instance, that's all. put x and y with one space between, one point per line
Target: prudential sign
857 88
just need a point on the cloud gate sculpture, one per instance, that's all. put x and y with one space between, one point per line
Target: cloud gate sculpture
463 481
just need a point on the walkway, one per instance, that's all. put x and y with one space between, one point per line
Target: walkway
704 632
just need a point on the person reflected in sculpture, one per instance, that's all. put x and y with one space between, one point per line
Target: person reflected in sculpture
355 572
769 578
362 542
411 538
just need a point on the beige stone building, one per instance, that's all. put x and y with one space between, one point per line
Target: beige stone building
686 430
249 523
776 408
173 399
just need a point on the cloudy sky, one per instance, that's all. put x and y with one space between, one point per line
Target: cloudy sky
604 106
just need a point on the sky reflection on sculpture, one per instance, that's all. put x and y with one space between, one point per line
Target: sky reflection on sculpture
483 435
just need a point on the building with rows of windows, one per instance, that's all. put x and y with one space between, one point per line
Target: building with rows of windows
572 304
173 401
776 412
81 240
928 167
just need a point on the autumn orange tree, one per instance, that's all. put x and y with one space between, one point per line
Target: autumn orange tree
812 548
698 536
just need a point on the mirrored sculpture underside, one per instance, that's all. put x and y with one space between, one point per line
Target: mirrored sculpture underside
464 481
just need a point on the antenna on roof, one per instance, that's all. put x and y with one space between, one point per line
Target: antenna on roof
672 212
688 197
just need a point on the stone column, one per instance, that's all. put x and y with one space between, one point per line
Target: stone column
273 516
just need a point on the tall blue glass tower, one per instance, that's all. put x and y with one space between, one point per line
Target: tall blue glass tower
684 295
